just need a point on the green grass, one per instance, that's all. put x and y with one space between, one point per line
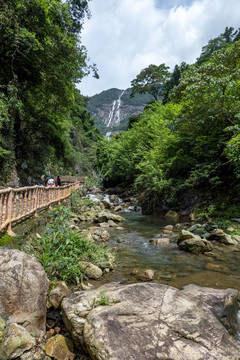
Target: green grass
62 251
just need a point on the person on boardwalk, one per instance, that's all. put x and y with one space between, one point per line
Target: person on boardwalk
46 178
51 181
58 181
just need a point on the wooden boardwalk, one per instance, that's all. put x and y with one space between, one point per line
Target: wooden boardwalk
17 203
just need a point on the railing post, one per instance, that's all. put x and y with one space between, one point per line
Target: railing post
36 202
9 214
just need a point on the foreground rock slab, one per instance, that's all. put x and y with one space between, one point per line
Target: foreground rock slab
23 291
146 321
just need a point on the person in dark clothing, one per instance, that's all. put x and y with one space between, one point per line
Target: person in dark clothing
58 181
46 178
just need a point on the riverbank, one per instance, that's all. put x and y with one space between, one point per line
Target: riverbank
147 250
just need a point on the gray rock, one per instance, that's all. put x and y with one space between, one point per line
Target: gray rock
147 275
98 234
219 235
203 230
93 272
196 245
106 225
236 220
236 238
106 204
36 353
118 208
114 199
146 321
15 341
223 303
105 216
23 291
160 241
112 223
56 295
171 214
184 235
169 227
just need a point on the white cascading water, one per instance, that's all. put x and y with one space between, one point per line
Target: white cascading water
114 115
108 135
110 116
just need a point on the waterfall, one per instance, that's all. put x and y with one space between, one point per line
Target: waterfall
111 114
114 116
108 135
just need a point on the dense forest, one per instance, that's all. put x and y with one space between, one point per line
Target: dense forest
188 143
44 124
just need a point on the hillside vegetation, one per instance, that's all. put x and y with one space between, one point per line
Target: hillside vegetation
44 125
189 144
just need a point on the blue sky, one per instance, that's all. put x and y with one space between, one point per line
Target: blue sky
125 36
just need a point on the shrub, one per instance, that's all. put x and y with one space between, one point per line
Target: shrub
61 250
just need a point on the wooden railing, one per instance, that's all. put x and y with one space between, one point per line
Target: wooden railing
72 179
18 203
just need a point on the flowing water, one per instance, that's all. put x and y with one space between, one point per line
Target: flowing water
171 265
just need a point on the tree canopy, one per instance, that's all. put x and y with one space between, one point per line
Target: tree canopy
151 80
42 59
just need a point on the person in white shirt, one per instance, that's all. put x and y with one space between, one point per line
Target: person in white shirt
51 181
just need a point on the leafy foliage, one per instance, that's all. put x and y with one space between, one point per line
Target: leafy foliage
62 251
219 42
103 299
122 157
41 60
191 142
151 80
173 81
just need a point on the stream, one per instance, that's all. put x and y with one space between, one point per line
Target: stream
172 266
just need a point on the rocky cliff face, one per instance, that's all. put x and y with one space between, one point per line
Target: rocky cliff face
112 108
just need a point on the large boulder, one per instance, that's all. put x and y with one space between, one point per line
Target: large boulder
223 303
146 321
196 245
23 291
105 216
185 235
203 230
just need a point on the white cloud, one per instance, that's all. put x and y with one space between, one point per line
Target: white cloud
125 36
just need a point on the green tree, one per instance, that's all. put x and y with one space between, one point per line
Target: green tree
173 81
230 35
123 158
151 80
209 96
42 59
